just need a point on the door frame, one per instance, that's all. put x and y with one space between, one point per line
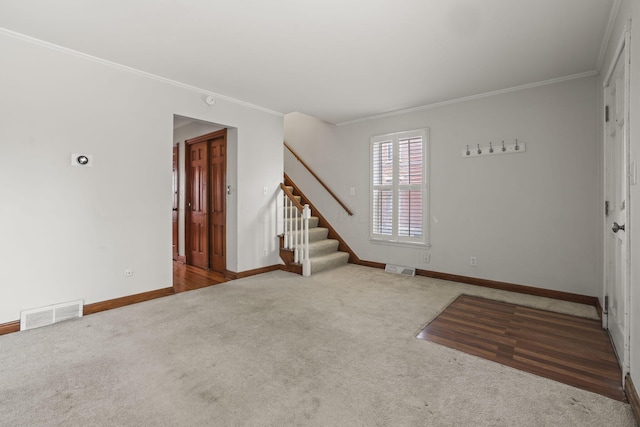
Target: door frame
188 192
175 213
622 52
217 221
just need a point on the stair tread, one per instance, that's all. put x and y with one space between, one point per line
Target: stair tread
328 261
332 255
310 218
314 229
336 254
315 234
327 242
321 247
313 222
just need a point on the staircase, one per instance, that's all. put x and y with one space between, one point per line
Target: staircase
324 252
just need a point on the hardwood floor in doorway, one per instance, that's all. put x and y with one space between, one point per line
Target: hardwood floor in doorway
188 277
568 349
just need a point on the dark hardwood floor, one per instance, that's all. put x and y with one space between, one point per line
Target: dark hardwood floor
568 349
188 277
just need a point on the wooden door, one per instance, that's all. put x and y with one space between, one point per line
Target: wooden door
174 217
197 241
206 203
217 197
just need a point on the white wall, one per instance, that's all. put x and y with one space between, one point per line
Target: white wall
530 218
70 232
630 10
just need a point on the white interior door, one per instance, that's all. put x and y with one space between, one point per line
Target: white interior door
617 207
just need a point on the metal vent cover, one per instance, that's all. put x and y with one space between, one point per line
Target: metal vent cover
43 316
398 269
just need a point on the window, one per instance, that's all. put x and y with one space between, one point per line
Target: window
399 207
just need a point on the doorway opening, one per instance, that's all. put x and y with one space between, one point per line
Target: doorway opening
203 174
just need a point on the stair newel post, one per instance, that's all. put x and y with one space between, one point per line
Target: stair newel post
287 213
306 261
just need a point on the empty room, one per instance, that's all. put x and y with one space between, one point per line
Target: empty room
287 213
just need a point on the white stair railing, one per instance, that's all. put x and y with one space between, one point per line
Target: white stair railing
296 230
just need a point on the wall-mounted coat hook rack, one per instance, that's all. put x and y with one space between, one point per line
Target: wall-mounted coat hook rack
516 147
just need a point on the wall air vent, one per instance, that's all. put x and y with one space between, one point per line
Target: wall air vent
398 269
43 316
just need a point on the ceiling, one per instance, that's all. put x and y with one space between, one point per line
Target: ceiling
339 60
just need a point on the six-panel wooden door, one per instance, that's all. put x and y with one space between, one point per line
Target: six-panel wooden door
206 201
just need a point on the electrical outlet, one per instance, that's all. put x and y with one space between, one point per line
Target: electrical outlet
426 258
473 261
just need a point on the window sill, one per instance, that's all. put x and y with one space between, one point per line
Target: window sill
416 245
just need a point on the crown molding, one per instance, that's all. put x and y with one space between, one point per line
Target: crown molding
62 49
472 97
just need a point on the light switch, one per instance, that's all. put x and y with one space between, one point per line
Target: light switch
266 190
352 191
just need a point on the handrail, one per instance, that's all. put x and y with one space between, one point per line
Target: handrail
337 199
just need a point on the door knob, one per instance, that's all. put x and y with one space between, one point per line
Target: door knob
617 227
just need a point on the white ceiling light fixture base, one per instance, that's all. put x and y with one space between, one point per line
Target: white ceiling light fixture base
85 160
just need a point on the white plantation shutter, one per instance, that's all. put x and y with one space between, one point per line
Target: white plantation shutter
382 217
398 182
410 164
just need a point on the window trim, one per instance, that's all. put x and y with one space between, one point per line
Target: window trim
394 239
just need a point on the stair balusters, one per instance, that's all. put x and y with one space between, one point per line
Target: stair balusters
296 230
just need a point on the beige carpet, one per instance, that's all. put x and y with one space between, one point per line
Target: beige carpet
335 349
